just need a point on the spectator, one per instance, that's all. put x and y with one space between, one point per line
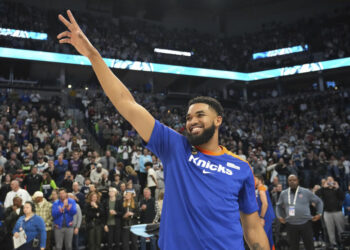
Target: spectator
147 215
61 166
33 226
77 219
78 194
43 208
108 161
96 174
159 206
12 214
114 215
33 181
145 157
333 198
42 165
347 204
160 181
67 182
47 185
95 220
63 211
13 165
151 178
293 209
5 187
75 164
130 213
16 191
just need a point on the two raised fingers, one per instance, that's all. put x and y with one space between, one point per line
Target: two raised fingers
69 24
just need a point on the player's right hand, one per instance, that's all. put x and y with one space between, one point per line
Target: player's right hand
75 36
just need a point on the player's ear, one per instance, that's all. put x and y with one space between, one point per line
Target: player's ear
218 121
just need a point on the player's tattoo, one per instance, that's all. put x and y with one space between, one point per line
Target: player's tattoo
256 246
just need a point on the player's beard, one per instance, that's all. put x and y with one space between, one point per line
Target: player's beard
202 138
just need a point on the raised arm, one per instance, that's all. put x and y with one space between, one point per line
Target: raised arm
119 95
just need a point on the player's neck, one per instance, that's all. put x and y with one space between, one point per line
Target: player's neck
212 145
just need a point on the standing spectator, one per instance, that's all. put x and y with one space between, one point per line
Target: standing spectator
42 165
116 182
135 161
33 226
108 161
129 219
61 166
151 178
75 164
79 195
47 185
124 150
347 204
159 206
160 181
145 157
333 198
33 181
310 165
16 191
12 214
95 220
283 172
67 182
147 215
114 213
43 208
5 187
293 209
63 211
77 219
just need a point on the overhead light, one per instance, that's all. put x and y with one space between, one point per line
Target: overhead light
173 52
69 86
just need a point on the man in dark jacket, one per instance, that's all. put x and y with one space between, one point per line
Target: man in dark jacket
332 197
147 215
12 214
32 181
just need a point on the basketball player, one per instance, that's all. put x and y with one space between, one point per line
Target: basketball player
208 189
266 213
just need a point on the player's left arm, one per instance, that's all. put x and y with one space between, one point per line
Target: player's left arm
254 233
264 204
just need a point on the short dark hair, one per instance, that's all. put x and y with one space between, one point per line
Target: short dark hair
62 189
213 103
148 164
259 177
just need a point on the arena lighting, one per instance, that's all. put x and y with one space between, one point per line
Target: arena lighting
23 34
173 69
173 52
280 52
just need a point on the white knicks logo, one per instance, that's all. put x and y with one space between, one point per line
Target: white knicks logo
208 165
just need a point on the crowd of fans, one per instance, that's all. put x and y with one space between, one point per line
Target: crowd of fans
125 38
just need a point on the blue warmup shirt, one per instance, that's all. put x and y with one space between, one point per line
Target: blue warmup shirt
205 192
269 215
34 228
